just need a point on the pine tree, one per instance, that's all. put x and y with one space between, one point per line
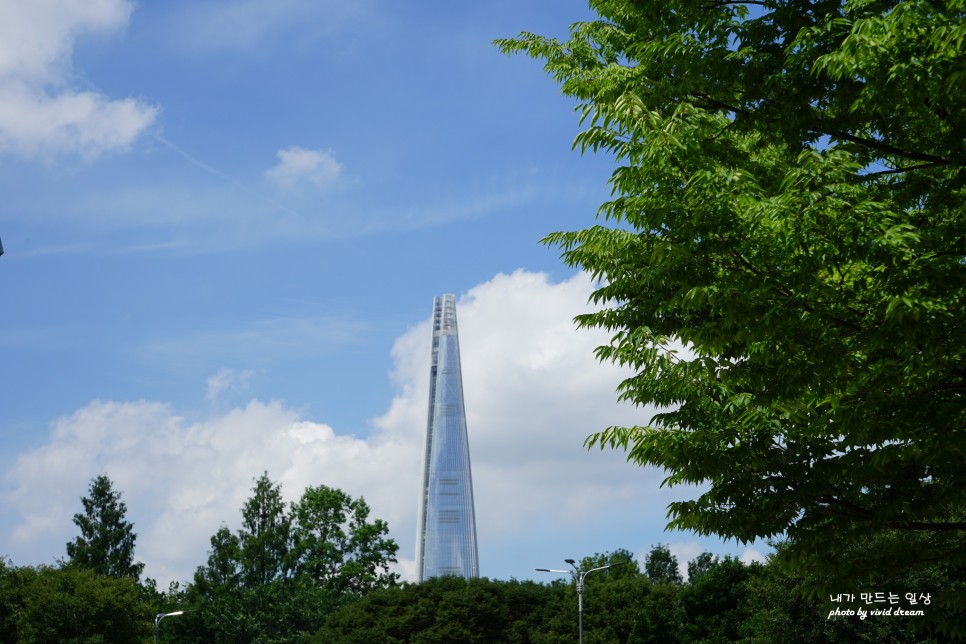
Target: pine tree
264 539
106 542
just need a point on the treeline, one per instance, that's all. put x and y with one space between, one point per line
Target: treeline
319 570
722 600
274 580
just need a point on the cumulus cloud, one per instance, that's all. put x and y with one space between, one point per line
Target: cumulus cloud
751 554
533 392
39 113
302 165
182 479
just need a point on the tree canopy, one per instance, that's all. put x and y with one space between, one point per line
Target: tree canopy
106 542
289 565
336 545
782 262
661 566
727 601
71 604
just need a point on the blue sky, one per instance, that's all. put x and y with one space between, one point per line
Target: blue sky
224 224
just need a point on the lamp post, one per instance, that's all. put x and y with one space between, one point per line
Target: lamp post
578 576
160 616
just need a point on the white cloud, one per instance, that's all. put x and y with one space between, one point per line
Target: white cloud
751 554
182 479
227 379
684 552
533 392
39 114
297 165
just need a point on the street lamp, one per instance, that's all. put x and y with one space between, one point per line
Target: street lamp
160 616
578 576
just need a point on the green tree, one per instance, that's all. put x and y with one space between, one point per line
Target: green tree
450 609
715 599
613 598
8 602
700 565
780 605
71 604
622 564
245 590
782 263
659 618
223 569
335 545
277 577
661 566
264 540
106 542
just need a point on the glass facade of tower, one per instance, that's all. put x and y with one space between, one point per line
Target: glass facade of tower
446 543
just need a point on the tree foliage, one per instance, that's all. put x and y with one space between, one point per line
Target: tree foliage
728 601
265 538
782 262
276 578
661 566
106 542
71 604
715 599
446 609
621 561
781 606
335 544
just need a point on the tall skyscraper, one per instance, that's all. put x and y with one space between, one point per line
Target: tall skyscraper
446 543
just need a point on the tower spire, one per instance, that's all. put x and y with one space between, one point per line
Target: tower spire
446 543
